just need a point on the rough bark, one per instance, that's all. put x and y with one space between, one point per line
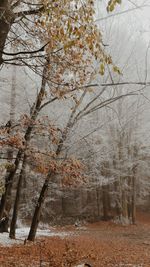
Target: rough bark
10 150
6 20
8 184
38 207
17 200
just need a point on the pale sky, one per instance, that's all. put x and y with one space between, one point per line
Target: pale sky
132 17
135 13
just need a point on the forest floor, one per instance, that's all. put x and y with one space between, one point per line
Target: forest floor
103 244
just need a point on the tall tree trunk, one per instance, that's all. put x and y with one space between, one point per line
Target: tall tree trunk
117 199
10 177
42 196
6 20
10 150
133 204
9 182
38 207
134 170
17 200
124 206
27 138
13 97
98 200
105 202
129 206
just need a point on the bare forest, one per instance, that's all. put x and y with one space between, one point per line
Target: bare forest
74 133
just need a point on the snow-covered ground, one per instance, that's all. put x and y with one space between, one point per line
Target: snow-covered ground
22 233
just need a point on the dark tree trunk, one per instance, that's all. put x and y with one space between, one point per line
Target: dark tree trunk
4 224
6 20
37 211
117 200
124 206
129 204
105 200
98 191
10 177
8 185
27 138
133 203
17 200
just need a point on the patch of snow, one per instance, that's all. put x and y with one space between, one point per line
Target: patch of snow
22 233
6 241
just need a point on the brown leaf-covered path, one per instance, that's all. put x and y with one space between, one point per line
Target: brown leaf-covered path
102 244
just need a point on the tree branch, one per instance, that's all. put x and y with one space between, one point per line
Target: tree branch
29 12
25 52
125 83
48 102
15 4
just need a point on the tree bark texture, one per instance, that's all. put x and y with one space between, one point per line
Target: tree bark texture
8 184
38 207
17 200
6 20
